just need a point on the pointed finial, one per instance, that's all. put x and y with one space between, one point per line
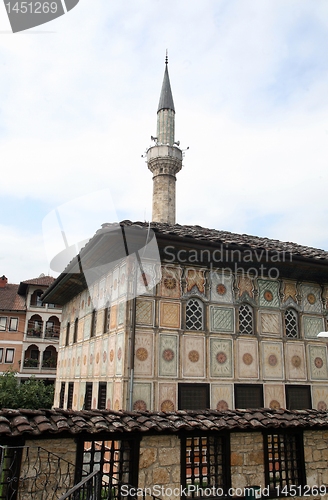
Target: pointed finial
167 57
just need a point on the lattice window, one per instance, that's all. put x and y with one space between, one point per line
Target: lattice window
246 319
291 324
88 396
70 395
284 461
194 315
106 318
76 328
93 323
117 461
62 395
194 396
248 396
205 463
102 395
67 334
298 397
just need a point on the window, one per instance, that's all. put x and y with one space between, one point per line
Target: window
246 319
102 395
93 323
76 327
116 459
36 298
35 326
10 355
62 395
1 354
13 324
194 396
70 395
88 396
3 323
291 324
194 315
205 463
298 397
284 461
106 318
67 334
248 396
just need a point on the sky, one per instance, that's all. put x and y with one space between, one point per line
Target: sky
78 105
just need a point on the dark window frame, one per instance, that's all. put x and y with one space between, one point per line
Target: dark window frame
197 470
11 320
102 395
70 395
284 463
251 311
3 327
9 349
88 396
192 317
93 326
76 326
67 334
297 326
193 387
289 388
250 387
62 395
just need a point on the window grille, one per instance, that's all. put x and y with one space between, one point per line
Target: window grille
62 395
70 395
93 323
194 396
106 319
248 396
291 324
117 461
194 315
88 396
205 463
246 319
102 395
67 334
284 461
298 397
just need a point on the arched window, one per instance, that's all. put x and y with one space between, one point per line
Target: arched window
194 315
291 324
35 326
246 319
36 298
53 327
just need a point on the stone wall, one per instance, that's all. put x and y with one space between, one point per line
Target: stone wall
159 463
247 459
316 457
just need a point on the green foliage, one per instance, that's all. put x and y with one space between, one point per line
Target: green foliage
33 394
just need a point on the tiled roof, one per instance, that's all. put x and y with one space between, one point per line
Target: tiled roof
41 281
10 300
199 233
15 423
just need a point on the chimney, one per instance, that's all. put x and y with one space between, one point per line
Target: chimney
3 281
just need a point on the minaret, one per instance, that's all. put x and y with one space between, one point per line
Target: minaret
165 158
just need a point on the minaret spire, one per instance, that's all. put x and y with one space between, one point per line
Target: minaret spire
165 158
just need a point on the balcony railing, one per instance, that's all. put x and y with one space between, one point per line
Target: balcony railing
31 363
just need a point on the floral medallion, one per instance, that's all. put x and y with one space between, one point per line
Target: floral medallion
322 405
167 406
274 404
111 355
296 361
273 360
170 283
142 354
221 357
139 405
221 289
222 405
193 356
119 354
168 355
247 358
318 362
311 299
268 296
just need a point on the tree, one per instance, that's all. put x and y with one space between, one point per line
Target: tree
33 394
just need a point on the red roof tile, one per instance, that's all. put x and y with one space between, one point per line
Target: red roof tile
10 300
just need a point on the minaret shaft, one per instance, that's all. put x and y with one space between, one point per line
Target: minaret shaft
165 158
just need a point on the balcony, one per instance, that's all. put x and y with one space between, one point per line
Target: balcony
31 363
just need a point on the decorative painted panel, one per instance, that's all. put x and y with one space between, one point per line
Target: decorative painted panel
123 281
295 361
142 396
268 293
118 396
119 355
144 360
325 297
274 396
318 362
168 356
102 296
97 358
79 361
121 313
312 326
115 284
167 397
146 282
111 355
91 359
245 286
86 327
221 397
320 397
221 360
193 356
145 312
221 287
270 323
109 402
247 359
289 291
195 279
85 358
311 298
272 360
170 314
73 361
81 395
171 282
104 356
222 319
113 316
